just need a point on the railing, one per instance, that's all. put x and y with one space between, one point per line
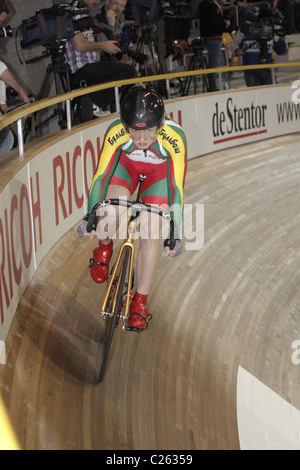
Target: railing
26 110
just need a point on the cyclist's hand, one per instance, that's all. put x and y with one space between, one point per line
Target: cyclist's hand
90 235
82 232
175 251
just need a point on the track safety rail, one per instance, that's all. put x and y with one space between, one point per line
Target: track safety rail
67 97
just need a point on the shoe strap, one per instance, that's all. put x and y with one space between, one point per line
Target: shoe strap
93 262
146 319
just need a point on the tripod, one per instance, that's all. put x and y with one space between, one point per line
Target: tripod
60 70
146 43
198 62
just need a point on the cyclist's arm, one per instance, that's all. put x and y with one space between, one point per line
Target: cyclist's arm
174 141
109 156
115 136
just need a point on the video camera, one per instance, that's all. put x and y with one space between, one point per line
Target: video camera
197 46
136 56
51 25
176 8
260 30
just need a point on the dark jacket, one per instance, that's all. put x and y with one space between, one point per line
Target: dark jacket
211 20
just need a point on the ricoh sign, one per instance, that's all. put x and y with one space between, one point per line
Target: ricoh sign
38 206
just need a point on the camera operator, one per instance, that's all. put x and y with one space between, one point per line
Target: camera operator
255 44
7 79
83 57
109 24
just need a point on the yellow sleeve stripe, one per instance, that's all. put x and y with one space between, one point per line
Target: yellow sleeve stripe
174 143
114 137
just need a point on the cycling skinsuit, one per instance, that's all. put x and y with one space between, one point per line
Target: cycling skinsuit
164 163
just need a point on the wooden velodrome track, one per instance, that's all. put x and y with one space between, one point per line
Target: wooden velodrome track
235 302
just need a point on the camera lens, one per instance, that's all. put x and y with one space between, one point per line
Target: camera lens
4 32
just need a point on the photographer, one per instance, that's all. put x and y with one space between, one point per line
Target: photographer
109 24
109 21
83 57
7 79
255 44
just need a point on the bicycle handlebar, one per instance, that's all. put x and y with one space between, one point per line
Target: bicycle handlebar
136 206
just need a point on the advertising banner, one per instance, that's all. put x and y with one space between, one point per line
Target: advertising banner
17 256
216 121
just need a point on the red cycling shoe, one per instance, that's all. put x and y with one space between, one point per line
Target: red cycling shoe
139 315
99 264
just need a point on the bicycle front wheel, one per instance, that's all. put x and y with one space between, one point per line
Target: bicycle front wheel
111 327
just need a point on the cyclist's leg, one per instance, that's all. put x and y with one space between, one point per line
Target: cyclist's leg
147 261
120 187
107 226
154 192
149 251
109 220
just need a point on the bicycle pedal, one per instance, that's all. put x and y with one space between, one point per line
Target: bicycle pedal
133 328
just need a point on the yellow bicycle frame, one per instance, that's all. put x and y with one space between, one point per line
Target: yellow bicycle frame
129 242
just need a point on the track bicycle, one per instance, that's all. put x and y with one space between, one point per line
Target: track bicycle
119 293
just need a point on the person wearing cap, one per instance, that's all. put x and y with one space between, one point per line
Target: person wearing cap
141 141
255 42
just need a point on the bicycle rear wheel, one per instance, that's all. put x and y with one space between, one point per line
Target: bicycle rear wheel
113 318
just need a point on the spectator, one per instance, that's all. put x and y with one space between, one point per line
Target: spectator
257 50
286 12
7 78
4 11
212 26
109 20
83 57
297 15
6 135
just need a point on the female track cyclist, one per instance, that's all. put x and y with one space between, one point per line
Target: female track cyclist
141 141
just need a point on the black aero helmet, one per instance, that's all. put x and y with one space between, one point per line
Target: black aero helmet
142 109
